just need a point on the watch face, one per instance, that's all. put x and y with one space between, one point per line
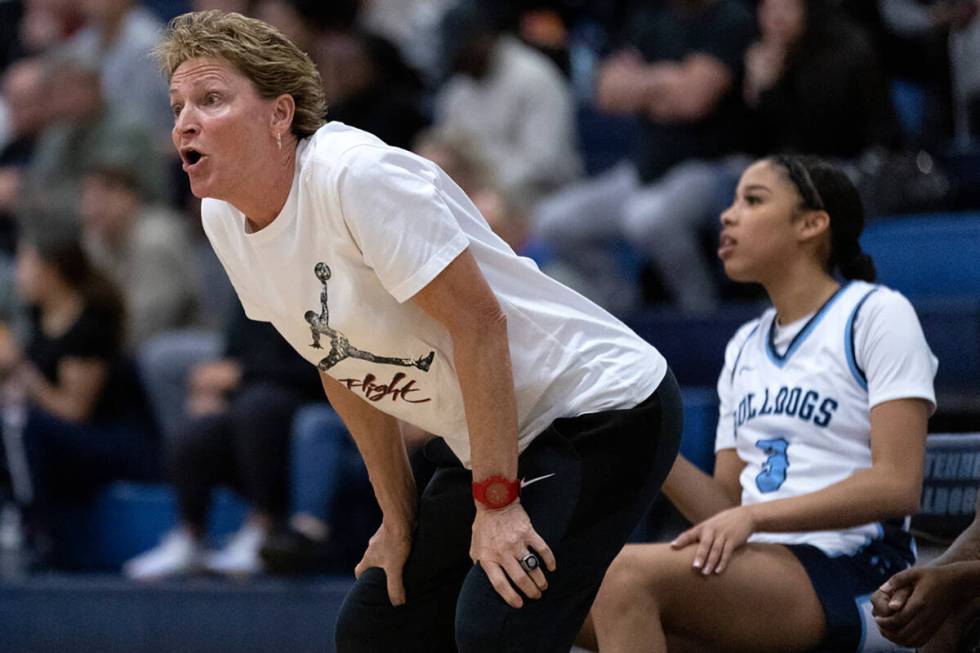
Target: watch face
498 493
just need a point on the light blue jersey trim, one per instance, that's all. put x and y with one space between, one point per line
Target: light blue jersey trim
852 365
780 360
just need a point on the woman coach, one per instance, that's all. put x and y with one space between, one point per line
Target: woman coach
557 424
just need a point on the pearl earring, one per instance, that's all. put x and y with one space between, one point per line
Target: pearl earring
279 140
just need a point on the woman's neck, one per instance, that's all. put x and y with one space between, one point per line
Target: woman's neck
60 309
265 201
799 292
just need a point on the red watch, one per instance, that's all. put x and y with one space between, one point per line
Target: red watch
496 492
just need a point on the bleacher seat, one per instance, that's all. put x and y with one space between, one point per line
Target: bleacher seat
950 484
700 423
928 257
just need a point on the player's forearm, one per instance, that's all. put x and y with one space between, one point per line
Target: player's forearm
869 495
482 359
391 476
379 441
966 547
695 494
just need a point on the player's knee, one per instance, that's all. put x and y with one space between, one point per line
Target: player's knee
633 581
619 583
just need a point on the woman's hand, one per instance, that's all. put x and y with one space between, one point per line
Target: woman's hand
717 538
501 538
933 594
620 83
388 550
209 385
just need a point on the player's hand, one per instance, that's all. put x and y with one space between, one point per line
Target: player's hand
501 538
388 550
717 538
934 594
885 604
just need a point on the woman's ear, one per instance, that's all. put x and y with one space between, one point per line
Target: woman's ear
282 115
813 225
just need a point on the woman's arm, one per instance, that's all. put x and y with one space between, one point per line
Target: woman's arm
462 301
73 398
379 440
698 496
889 488
966 547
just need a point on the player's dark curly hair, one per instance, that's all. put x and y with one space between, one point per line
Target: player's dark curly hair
825 187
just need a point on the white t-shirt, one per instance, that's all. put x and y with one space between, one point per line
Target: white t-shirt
796 400
365 227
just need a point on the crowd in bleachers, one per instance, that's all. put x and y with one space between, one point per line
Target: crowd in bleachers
600 137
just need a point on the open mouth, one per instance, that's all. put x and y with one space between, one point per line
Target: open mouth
191 157
725 245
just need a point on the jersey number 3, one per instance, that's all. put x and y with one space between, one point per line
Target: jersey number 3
773 473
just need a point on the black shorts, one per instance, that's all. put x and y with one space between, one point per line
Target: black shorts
844 585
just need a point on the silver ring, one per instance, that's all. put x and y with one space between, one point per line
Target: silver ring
530 562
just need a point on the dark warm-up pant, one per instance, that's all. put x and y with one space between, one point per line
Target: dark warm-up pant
607 467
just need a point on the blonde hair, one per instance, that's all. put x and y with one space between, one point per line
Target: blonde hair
259 51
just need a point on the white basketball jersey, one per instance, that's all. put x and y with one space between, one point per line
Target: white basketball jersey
799 416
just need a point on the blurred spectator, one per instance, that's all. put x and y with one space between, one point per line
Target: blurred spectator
118 36
413 25
145 248
329 482
84 130
367 83
965 55
814 83
679 71
290 17
241 409
918 56
46 24
381 94
75 416
334 510
512 101
22 90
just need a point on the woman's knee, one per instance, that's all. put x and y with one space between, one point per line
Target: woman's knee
638 577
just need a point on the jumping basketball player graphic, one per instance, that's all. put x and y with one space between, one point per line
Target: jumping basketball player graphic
340 347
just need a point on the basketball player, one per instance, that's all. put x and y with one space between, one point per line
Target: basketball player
820 444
